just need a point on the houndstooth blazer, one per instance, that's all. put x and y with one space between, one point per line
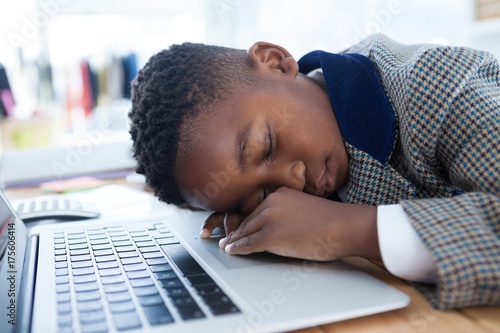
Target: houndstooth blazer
447 106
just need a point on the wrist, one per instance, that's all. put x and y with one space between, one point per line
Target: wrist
361 233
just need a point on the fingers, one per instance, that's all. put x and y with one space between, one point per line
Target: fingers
213 221
246 228
246 245
231 223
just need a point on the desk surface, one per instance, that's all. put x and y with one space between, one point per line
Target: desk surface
417 317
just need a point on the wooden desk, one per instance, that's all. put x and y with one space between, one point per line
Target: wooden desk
418 317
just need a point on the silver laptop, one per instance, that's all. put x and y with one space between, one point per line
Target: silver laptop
154 274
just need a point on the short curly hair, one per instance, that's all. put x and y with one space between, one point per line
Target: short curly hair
169 94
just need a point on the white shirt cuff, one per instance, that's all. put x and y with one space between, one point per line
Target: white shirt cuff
403 252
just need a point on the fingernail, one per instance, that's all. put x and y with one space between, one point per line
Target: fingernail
222 243
228 248
204 233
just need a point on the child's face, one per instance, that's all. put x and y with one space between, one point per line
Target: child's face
261 140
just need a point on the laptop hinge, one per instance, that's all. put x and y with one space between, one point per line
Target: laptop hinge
27 287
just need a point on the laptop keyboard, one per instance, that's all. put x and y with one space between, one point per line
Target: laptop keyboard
106 277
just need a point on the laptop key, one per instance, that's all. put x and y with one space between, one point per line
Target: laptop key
94 327
166 275
125 249
123 255
157 261
118 307
191 312
101 247
126 321
62 288
106 265
148 249
141 282
82 264
79 252
77 241
63 298
61 272
84 278
134 267
64 320
145 244
182 259
83 271
120 237
160 268
209 289
141 238
118 297
110 271
60 252
106 252
183 301
115 288
78 246
60 258
146 291
89 306
91 317
137 274
62 280
80 258
105 258
63 308
155 254
218 299
171 283
88 296
223 309
61 264
167 241
96 231
76 236
200 279
122 243
158 314
97 236
83 287
175 292
150 300
95 242
112 279
133 260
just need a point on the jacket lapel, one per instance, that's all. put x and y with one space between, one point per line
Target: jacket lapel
374 183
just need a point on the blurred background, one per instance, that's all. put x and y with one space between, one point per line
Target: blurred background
66 65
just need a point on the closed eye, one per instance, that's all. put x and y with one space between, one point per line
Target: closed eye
265 194
270 144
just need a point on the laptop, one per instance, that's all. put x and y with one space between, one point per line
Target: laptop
154 274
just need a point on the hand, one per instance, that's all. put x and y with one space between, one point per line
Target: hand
227 221
295 224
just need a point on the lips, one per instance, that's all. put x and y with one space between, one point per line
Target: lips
328 182
325 184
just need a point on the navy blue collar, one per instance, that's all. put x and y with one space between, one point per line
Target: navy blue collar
363 112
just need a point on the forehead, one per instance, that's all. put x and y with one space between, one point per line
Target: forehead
207 159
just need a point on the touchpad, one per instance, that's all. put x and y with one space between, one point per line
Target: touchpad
241 261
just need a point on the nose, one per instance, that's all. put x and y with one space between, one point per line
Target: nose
297 175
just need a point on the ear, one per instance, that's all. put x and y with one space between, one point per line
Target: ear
266 56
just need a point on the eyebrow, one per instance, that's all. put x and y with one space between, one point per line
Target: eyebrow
243 147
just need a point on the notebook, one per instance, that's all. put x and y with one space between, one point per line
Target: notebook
154 274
